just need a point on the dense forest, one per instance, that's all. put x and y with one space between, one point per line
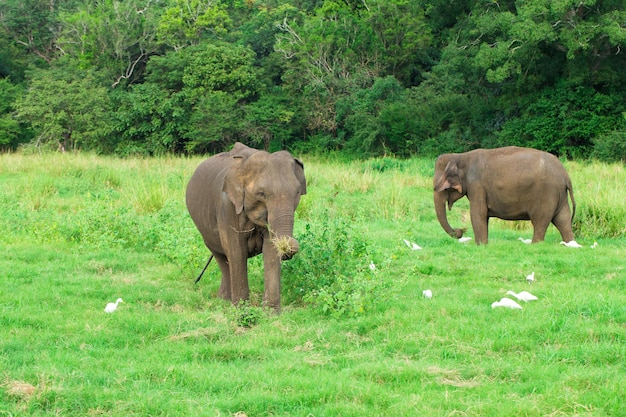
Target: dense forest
366 77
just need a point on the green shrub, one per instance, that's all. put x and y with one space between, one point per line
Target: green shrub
610 147
247 315
332 271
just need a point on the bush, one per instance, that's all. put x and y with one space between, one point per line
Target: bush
333 271
563 120
610 147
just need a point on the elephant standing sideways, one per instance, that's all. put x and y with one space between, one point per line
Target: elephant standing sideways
510 183
243 202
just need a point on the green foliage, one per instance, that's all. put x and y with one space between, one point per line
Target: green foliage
332 271
66 108
148 121
564 120
31 24
610 147
225 68
247 315
187 22
378 120
115 37
11 132
375 78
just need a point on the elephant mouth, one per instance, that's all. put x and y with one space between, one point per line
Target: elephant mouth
287 256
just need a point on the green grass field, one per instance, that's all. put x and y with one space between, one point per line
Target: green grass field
79 231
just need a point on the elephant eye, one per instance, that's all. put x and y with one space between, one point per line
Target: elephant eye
260 194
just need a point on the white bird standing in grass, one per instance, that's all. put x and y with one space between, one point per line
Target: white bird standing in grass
531 278
427 294
464 239
572 244
111 307
526 241
412 245
506 302
523 296
595 244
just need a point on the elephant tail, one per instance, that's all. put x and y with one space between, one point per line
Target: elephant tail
571 196
204 269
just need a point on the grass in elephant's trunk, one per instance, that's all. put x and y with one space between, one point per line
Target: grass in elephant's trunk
283 246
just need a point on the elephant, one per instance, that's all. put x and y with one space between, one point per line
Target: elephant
511 183
243 203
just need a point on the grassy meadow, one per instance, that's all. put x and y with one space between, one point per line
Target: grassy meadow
79 231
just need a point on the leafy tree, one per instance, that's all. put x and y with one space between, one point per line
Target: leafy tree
270 122
148 121
564 120
327 55
67 110
214 123
189 22
403 38
115 35
219 81
378 120
11 132
32 24
532 73
227 68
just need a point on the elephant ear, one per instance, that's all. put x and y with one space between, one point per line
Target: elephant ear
299 171
233 184
450 178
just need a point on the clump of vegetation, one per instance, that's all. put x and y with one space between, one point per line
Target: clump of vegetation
282 245
247 315
333 270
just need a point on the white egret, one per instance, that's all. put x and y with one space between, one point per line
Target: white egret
427 294
372 266
506 302
531 277
111 307
526 241
523 296
464 239
595 244
412 245
572 244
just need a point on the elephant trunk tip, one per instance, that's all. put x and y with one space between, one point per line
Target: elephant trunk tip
286 246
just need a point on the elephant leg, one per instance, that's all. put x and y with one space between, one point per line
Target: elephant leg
224 291
480 221
239 290
563 222
539 229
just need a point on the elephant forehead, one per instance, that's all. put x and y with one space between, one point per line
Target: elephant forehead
274 183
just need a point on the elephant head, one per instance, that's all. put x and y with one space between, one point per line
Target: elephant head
267 188
448 184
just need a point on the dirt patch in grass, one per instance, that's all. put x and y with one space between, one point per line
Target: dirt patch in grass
19 389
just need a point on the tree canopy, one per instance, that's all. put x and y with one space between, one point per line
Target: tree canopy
369 77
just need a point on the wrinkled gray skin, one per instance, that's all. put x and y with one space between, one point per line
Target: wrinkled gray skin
510 183
239 201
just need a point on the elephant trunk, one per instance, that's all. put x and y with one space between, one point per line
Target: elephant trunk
440 209
281 231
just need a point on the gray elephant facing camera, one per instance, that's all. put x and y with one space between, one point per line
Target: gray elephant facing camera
243 203
510 183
